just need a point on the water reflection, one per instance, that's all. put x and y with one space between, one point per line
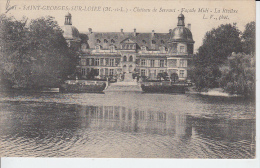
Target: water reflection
55 129
135 120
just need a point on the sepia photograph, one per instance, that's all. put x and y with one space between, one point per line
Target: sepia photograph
128 79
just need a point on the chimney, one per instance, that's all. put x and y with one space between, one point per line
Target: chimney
134 31
152 32
122 30
90 30
189 26
170 31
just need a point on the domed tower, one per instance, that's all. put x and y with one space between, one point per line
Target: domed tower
70 33
181 41
180 49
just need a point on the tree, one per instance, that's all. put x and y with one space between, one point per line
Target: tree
93 72
13 48
248 38
238 75
217 45
38 52
159 76
53 59
174 77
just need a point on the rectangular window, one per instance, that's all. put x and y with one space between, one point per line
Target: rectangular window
182 63
97 62
118 61
181 73
137 61
87 61
111 62
88 70
92 61
161 63
111 72
83 72
182 49
107 61
106 71
143 72
142 62
101 61
172 63
152 63
83 62
101 72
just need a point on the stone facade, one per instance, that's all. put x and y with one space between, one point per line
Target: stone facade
114 53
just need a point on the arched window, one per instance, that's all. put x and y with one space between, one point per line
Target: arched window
144 41
112 41
124 58
162 42
131 58
124 68
130 68
98 41
153 42
105 41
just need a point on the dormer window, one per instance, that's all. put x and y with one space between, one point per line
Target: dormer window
98 41
98 47
112 41
144 41
182 49
112 49
153 42
105 41
162 48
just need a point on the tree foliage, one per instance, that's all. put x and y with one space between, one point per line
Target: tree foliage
37 52
238 75
174 77
248 38
218 45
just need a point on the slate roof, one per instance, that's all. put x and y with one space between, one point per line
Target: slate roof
151 40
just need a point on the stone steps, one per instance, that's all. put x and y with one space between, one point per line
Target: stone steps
128 85
124 88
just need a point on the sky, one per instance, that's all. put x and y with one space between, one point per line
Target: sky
102 16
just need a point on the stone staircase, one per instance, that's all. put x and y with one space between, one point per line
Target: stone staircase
128 85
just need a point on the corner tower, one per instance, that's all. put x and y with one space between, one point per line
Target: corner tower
180 49
70 33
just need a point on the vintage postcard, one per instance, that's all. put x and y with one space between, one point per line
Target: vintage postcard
128 79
